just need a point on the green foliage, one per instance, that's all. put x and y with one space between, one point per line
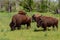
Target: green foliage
44 5
28 5
59 4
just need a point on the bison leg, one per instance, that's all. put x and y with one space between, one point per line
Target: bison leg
45 28
19 27
13 28
28 25
38 26
57 27
53 27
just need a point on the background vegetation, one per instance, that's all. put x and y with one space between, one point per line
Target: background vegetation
29 5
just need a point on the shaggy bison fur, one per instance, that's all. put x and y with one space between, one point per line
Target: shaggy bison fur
45 22
18 20
22 12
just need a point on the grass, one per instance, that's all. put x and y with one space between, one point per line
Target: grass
24 34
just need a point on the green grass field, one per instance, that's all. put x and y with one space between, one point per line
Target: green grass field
24 34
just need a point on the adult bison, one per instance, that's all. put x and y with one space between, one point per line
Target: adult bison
45 22
18 20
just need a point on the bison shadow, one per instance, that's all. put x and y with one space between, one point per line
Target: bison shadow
37 30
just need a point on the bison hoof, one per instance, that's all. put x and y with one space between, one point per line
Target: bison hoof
12 30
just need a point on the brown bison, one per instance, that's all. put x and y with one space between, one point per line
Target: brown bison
18 20
45 22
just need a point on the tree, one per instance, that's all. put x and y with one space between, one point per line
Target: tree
28 4
44 5
59 4
8 6
1 5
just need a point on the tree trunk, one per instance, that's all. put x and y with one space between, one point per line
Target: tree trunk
9 7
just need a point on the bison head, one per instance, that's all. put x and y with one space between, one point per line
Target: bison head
36 17
33 18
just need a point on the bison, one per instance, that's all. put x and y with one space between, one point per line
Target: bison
45 22
18 20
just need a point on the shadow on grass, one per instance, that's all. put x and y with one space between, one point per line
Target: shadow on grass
36 30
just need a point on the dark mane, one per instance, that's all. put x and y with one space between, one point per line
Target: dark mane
22 12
